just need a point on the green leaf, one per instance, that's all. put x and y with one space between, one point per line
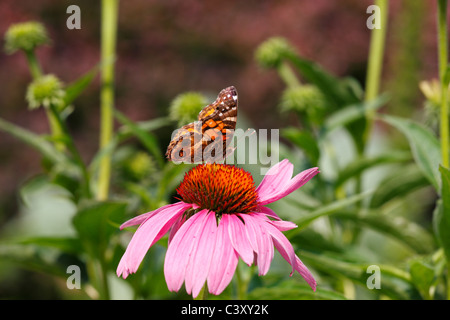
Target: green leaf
402 182
74 89
35 141
148 140
441 215
125 132
360 165
33 258
305 141
336 92
328 209
64 244
96 223
351 113
295 291
407 232
422 275
424 146
395 283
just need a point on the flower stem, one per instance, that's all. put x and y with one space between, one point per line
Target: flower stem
36 72
288 75
443 62
444 125
375 63
108 44
35 68
69 143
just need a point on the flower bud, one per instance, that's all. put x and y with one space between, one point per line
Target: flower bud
304 99
25 36
186 106
139 166
45 91
272 52
432 91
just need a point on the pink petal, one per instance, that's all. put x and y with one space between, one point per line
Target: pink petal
264 246
286 250
223 262
141 218
286 188
150 231
238 237
268 212
201 254
251 232
275 179
280 224
176 225
284 225
282 244
305 273
179 250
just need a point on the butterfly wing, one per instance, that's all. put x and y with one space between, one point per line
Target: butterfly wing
215 125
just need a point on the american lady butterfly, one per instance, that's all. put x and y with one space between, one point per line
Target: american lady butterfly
208 139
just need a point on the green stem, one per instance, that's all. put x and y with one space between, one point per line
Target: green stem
373 79
55 128
288 76
375 63
444 126
104 278
64 134
35 68
36 72
443 62
108 45
242 282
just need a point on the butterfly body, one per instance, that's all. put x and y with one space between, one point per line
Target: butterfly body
207 139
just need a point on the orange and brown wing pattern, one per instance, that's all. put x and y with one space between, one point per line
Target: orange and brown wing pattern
198 141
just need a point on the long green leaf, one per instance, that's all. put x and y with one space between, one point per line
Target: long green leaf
125 132
424 146
351 113
74 89
336 92
33 258
35 141
328 209
395 283
147 138
295 291
399 228
360 165
64 244
400 183
441 216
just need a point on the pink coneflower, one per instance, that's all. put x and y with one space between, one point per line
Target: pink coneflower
221 217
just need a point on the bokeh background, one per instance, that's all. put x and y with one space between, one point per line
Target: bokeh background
168 47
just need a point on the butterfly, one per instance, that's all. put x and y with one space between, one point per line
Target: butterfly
209 138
